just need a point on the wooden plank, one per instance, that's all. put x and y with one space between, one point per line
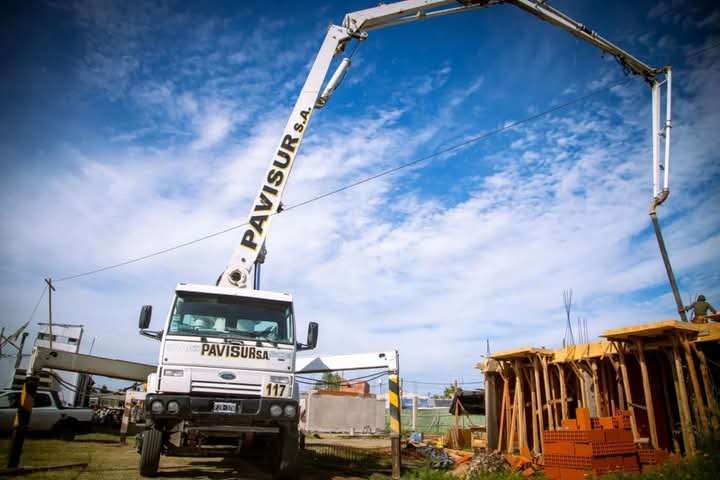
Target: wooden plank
647 393
519 353
697 392
655 329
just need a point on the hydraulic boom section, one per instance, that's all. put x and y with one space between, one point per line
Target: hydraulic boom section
249 254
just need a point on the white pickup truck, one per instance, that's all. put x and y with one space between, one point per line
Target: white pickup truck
48 415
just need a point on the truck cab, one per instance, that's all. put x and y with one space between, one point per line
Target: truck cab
225 377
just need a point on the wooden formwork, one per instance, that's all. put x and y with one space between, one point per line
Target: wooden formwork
665 373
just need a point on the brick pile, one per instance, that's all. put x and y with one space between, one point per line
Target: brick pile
649 458
589 447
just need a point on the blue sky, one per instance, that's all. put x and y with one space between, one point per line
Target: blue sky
128 128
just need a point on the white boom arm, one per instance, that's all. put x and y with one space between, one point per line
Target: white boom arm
355 26
356 361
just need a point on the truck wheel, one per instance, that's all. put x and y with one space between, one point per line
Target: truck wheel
150 452
66 432
285 464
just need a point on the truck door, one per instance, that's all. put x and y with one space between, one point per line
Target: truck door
44 414
8 407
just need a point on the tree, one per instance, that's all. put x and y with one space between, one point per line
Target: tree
104 389
449 391
331 381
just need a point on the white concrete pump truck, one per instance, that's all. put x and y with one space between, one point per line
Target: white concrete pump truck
226 369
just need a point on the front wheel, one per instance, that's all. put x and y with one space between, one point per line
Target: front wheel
285 465
150 452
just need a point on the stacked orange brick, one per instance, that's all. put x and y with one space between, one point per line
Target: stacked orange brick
649 458
586 448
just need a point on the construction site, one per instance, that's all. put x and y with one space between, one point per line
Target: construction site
440 356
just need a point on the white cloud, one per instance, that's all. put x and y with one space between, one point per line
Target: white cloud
385 265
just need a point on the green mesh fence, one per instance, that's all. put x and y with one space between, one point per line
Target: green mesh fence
436 420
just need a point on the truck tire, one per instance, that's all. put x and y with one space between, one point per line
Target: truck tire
285 464
150 452
66 431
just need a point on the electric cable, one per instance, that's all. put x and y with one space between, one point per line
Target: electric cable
384 173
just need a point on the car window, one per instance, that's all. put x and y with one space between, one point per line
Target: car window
10 400
42 400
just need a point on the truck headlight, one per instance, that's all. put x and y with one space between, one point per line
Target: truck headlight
290 410
157 407
173 407
173 372
282 380
276 410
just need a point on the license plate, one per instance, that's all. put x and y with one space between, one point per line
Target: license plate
224 407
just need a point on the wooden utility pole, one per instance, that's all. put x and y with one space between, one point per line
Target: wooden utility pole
50 290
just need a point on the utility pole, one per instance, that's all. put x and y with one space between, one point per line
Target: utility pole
50 290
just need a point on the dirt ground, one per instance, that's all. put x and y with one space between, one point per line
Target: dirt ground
107 459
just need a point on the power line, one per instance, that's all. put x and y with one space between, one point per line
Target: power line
384 173
37 304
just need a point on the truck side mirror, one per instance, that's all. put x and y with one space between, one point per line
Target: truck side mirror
145 314
312 336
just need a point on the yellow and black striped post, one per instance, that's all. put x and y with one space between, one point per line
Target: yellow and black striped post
395 411
22 419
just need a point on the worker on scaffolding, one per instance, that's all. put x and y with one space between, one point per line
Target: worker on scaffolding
700 308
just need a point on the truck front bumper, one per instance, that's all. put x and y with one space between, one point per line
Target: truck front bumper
199 410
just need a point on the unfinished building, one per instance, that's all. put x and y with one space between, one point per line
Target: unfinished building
665 374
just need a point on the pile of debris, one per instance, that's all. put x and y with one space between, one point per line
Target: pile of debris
483 463
464 464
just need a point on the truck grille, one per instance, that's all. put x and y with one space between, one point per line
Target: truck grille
226 387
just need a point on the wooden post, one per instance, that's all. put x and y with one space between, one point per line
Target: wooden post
650 408
628 393
548 395
395 400
22 420
618 382
596 386
513 420
606 389
697 392
541 420
683 405
563 393
707 383
534 417
668 408
50 290
522 435
503 408
413 417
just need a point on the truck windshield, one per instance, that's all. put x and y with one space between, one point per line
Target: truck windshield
231 317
